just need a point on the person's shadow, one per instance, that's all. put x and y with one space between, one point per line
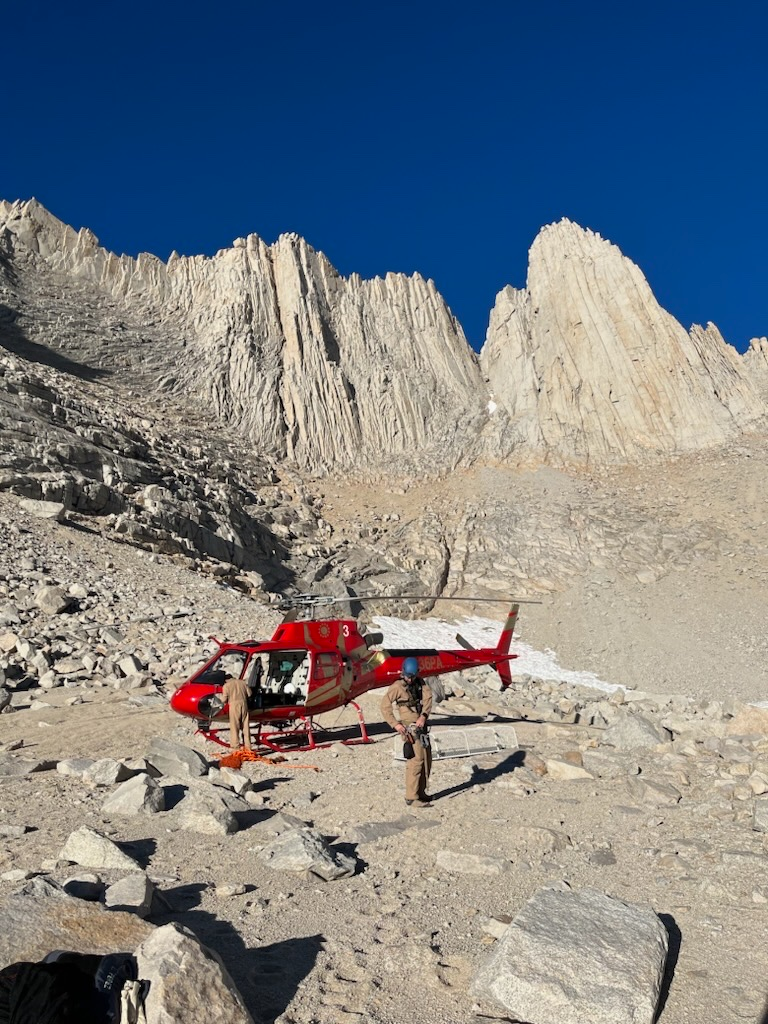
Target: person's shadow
482 776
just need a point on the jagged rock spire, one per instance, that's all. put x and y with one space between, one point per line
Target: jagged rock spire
589 365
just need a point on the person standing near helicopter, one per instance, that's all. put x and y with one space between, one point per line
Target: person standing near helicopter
235 693
413 699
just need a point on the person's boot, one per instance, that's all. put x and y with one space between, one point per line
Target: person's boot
417 803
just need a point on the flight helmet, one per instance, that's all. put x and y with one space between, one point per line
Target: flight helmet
410 668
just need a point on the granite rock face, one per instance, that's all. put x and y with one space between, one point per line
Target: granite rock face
328 373
321 369
756 363
590 367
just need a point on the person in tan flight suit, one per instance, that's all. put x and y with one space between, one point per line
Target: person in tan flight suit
413 699
235 693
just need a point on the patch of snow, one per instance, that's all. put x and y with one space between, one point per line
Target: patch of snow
492 407
481 632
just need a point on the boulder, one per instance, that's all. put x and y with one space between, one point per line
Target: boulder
13 766
653 792
106 772
201 815
563 771
577 958
630 732
181 971
175 759
91 849
52 600
133 893
138 795
752 721
186 979
30 927
304 849
44 509
75 766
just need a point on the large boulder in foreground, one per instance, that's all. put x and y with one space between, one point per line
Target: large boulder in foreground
187 981
577 958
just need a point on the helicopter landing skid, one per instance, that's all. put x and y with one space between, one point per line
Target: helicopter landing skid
299 734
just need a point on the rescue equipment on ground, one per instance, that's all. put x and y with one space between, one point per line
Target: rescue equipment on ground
455 741
238 758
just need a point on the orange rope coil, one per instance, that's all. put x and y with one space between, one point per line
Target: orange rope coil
236 758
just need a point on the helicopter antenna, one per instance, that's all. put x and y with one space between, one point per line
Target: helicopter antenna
316 600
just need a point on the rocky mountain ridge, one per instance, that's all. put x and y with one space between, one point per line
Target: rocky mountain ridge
376 377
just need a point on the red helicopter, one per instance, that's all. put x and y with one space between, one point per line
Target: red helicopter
316 665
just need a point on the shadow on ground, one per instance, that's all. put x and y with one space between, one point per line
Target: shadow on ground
482 776
142 850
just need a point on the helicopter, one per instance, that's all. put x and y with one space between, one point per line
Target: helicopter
311 666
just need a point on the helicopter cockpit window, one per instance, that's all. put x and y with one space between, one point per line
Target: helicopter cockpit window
231 663
288 675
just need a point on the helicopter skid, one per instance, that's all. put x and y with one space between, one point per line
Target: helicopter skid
299 734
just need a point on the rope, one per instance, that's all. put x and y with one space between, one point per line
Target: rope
236 758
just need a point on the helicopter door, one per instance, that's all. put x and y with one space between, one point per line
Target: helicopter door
326 673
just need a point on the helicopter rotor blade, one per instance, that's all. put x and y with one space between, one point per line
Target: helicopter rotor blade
464 643
310 600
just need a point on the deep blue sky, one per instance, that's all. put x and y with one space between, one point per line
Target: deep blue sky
429 136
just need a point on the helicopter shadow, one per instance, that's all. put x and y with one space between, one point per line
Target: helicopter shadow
266 977
482 776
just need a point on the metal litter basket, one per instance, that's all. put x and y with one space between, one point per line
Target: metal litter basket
465 742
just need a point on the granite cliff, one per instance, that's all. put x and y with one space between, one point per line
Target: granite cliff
312 367
376 377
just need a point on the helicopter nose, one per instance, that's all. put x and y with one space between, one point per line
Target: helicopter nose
182 701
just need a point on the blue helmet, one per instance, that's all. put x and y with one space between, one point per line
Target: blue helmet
410 668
